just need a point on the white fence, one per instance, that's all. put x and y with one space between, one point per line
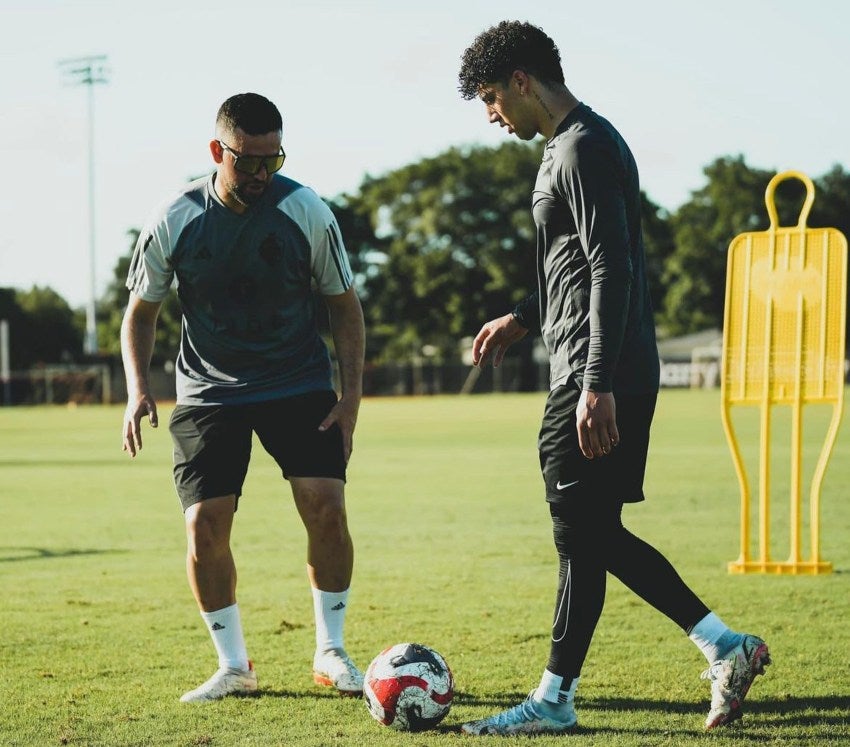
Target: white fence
58 385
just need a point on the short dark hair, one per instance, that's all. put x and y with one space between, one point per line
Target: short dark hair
251 113
498 51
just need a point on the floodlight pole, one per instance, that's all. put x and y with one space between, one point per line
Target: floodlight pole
5 372
88 71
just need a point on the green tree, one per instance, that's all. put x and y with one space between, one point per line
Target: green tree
732 202
832 201
452 245
43 328
695 274
365 252
659 246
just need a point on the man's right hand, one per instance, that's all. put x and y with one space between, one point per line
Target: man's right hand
495 338
137 408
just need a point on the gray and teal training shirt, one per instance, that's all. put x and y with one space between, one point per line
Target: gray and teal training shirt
244 281
592 303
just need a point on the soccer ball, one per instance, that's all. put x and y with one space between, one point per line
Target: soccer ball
408 687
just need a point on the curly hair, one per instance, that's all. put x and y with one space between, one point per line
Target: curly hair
498 51
250 112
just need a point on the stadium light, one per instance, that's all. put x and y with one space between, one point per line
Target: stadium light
89 71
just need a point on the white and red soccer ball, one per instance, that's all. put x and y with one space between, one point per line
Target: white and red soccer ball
408 687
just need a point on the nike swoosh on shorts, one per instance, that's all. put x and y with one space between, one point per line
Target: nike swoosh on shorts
566 485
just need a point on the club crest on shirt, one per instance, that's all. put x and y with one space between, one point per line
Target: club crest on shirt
271 250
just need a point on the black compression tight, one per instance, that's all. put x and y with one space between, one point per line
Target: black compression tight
590 544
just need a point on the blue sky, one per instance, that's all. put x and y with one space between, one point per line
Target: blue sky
369 86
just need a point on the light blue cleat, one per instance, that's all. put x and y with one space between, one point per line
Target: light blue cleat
529 717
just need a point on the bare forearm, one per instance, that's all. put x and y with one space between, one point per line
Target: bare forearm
136 351
349 336
138 332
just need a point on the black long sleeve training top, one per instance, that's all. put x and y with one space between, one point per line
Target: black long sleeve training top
592 304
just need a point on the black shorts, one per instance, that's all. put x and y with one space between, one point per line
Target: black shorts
212 443
615 478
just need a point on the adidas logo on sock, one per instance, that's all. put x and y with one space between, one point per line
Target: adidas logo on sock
338 607
217 626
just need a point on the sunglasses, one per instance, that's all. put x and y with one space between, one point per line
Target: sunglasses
253 164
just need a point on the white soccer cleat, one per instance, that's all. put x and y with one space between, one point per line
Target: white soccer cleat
334 668
529 717
731 678
226 681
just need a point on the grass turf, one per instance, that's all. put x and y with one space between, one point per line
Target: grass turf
100 635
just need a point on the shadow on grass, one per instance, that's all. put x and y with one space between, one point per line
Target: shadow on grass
313 694
803 712
41 463
15 554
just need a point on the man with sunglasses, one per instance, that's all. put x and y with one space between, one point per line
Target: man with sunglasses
246 245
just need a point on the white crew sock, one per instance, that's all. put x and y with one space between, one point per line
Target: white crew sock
329 612
713 637
225 628
551 689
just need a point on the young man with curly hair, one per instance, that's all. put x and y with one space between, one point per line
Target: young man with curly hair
592 307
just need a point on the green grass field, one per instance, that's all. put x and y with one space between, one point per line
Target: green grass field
100 635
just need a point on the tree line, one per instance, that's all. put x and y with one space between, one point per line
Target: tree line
442 245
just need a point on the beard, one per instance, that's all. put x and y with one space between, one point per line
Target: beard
249 193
